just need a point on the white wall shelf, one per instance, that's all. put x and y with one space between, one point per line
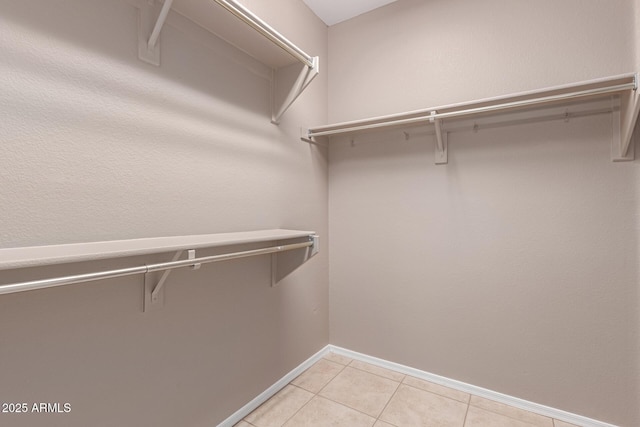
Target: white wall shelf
248 33
285 240
35 256
617 95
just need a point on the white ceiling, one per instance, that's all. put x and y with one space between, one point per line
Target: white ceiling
334 11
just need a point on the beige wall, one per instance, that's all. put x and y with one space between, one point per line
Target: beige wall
515 266
97 145
414 53
637 37
637 138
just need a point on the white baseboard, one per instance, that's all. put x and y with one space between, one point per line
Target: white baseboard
536 408
268 393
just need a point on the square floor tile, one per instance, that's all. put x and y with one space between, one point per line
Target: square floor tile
242 424
337 358
437 389
360 390
411 407
478 417
382 424
318 376
509 411
277 410
383 372
320 412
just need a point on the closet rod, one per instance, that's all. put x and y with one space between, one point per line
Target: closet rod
432 114
266 30
143 269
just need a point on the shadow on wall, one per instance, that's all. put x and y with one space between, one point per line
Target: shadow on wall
197 90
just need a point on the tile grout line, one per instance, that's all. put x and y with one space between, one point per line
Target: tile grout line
343 364
404 376
331 380
505 415
466 414
438 394
316 394
377 375
289 384
401 382
512 401
546 413
296 412
387 404
347 406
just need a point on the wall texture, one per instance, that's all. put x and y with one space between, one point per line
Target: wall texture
515 266
636 39
97 145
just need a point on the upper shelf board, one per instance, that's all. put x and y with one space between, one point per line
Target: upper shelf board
489 106
622 92
77 252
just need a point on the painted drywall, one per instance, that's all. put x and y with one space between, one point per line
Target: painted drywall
637 136
515 266
637 38
97 145
438 52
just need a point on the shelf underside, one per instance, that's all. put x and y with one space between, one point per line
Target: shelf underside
215 19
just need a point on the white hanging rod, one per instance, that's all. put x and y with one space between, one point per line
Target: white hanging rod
610 85
143 269
266 30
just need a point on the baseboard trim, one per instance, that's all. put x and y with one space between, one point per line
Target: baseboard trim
268 393
547 411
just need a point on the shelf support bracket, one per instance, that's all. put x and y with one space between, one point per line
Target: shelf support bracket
315 246
304 136
310 252
149 32
625 118
154 293
306 76
441 156
274 269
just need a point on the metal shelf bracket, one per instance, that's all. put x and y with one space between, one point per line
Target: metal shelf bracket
150 23
311 251
154 290
306 76
315 245
622 146
154 294
442 155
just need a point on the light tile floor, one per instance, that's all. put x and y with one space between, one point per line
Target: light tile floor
338 391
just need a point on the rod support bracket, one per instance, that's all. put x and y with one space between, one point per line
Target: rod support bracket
154 291
626 109
305 77
315 245
151 19
191 254
441 155
304 135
